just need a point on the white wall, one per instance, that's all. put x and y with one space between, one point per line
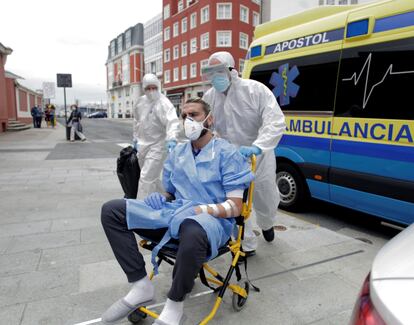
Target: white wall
283 8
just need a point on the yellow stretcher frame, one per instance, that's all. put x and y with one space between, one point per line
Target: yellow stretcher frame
240 294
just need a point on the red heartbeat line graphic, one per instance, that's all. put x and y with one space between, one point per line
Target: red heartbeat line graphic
368 65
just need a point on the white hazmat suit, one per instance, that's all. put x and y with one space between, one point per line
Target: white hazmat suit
155 122
247 114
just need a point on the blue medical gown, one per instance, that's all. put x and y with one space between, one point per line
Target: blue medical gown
206 178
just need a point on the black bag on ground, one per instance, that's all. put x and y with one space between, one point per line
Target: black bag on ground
128 172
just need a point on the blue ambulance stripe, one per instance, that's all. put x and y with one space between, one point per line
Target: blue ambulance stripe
394 22
376 150
305 142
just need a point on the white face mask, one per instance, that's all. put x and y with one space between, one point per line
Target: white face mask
152 95
193 128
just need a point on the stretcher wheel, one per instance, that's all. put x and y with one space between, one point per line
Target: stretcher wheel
239 301
136 316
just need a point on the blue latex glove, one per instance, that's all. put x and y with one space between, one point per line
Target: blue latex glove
135 145
155 200
250 151
171 145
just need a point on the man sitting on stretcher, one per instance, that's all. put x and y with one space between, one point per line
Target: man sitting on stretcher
204 180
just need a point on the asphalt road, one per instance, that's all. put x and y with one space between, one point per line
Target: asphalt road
104 139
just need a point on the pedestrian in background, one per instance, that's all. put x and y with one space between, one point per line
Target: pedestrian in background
52 115
156 129
39 116
74 120
33 112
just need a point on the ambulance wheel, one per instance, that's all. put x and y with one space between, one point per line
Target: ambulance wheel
292 187
239 301
136 317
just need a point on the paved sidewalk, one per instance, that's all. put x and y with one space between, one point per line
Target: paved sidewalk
56 266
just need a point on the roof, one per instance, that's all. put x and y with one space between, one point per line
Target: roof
5 50
11 75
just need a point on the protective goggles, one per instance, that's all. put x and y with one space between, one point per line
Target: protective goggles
208 72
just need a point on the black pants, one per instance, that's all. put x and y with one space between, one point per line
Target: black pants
193 248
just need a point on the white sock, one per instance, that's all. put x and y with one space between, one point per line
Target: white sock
172 312
142 290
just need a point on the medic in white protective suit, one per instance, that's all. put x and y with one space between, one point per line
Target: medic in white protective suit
247 114
156 129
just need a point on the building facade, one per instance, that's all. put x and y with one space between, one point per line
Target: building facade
4 52
16 100
195 29
283 8
153 46
125 69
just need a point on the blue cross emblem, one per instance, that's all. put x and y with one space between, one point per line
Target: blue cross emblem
283 83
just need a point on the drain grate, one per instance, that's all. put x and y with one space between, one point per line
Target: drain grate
365 240
280 228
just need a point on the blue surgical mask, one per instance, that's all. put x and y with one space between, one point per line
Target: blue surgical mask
220 83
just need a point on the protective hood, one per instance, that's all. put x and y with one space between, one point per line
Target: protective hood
224 57
151 79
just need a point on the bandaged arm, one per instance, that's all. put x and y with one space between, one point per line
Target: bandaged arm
228 209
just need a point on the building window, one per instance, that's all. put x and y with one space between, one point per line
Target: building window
343 2
330 2
167 11
205 14
321 2
193 20
204 41
203 64
167 55
189 3
128 39
175 29
119 44
257 2
223 39
167 34
176 52
241 66
184 72
244 41
224 11
184 49
256 19
244 14
184 25
167 76
354 2
193 46
175 74
193 70
113 49
180 5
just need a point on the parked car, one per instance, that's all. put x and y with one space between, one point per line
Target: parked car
387 294
98 115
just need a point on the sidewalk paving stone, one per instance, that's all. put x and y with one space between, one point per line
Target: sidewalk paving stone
43 241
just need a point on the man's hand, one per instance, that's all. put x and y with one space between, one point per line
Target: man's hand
250 151
155 200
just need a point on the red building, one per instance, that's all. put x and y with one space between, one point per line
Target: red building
195 29
15 99
4 52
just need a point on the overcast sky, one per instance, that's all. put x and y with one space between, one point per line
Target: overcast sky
55 36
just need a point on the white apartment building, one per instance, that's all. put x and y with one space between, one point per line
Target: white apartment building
125 69
153 46
283 8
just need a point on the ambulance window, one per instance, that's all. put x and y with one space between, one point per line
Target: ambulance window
375 81
306 83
